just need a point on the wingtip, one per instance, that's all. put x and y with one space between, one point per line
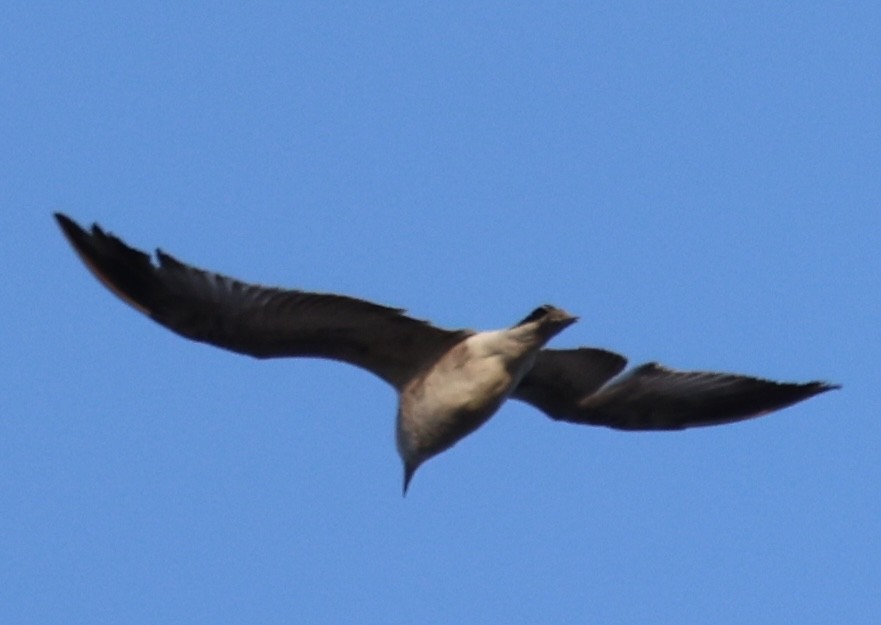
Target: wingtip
125 271
81 238
800 392
822 387
69 227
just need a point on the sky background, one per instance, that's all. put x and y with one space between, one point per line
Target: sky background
700 182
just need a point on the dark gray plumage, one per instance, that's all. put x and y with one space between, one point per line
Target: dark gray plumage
449 382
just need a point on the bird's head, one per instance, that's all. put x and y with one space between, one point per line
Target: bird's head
548 320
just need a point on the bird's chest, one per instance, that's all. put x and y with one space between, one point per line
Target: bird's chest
472 384
475 387
458 395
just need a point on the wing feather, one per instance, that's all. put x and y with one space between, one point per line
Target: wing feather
261 321
580 388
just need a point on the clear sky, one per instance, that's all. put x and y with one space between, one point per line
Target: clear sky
700 182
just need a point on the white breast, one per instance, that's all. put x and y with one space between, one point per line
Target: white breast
478 375
461 392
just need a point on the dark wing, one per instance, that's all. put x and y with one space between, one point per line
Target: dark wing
572 386
560 378
260 321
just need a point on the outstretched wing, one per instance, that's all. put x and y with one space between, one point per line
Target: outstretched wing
260 321
560 378
575 386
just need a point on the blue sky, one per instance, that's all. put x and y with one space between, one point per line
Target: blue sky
700 182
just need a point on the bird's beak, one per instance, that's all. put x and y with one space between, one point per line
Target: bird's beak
567 320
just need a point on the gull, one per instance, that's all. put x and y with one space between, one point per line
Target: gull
449 382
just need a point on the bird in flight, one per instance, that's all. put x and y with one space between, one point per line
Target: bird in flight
449 382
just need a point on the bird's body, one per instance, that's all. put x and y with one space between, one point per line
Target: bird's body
449 382
466 387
